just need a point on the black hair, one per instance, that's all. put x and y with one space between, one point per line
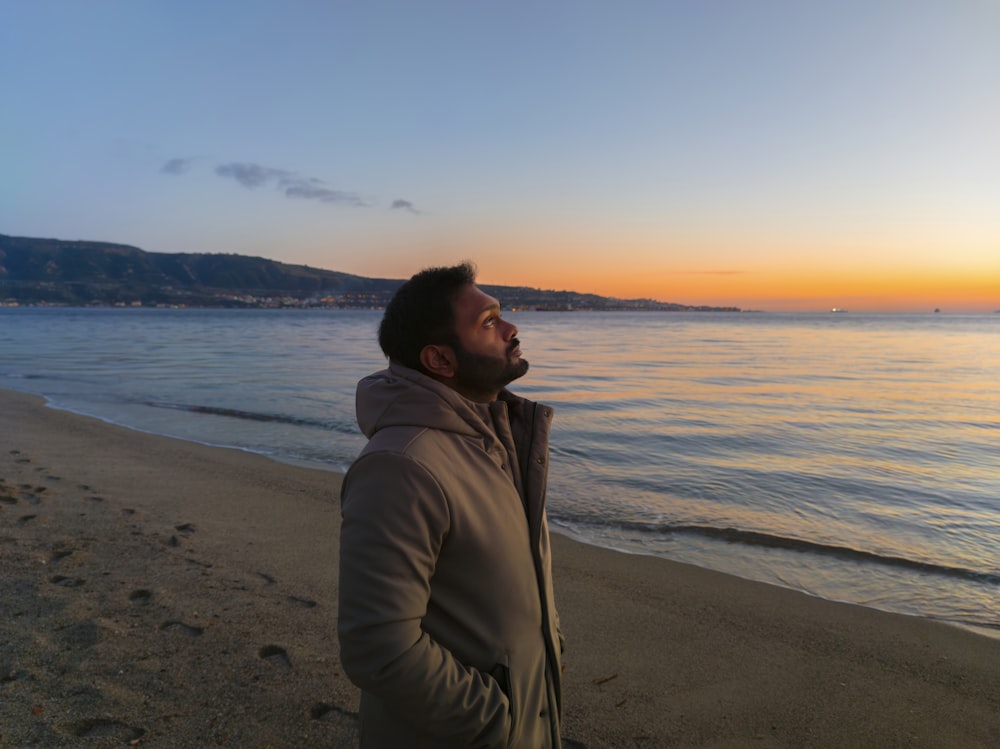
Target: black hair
421 313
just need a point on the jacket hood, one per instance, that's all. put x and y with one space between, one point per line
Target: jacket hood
400 396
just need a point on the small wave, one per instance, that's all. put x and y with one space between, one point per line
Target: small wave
235 413
772 541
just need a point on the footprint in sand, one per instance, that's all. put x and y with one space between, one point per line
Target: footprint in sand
276 655
67 582
141 597
81 635
58 554
103 728
307 603
9 674
25 519
32 494
182 628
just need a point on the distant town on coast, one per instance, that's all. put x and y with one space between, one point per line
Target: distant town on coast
60 273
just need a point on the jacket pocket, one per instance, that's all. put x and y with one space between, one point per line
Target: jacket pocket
501 674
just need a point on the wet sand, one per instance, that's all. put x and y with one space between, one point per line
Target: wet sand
160 593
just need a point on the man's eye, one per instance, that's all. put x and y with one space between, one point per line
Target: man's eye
490 322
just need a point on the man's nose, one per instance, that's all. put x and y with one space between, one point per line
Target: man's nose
511 330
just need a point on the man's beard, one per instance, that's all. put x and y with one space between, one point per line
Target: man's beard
487 374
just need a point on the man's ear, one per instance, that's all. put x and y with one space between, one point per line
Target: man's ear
438 360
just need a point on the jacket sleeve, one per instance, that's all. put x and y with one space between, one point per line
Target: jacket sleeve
395 519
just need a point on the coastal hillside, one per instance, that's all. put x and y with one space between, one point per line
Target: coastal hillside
80 273
77 272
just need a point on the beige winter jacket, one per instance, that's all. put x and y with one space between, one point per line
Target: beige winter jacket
447 621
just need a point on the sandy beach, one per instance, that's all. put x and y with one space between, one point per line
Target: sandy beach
160 593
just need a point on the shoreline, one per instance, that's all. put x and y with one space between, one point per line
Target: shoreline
169 593
557 527
982 631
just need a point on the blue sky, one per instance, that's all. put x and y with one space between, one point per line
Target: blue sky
717 152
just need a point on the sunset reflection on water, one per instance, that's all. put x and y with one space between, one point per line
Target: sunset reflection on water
876 434
852 456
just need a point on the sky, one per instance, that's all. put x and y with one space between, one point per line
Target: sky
777 154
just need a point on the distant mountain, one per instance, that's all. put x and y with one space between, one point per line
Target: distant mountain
65 272
78 273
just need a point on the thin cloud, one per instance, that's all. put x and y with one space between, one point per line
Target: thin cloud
315 189
291 184
403 205
252 175
177 166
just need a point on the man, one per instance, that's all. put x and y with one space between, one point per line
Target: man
447 621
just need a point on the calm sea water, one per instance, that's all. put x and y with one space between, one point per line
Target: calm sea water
855 457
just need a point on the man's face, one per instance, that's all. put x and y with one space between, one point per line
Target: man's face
488 355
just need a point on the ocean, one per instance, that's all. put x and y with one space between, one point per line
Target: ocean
853 457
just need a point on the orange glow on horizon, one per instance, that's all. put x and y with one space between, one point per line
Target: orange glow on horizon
801 291
778 290
751 273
